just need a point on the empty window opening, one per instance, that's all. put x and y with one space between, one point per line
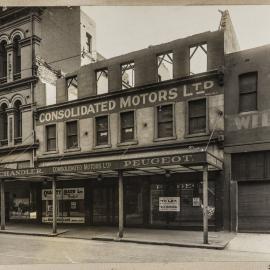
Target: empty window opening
72 134
18 120
102 132
102 81
248 92
198 59
3 124
89 42
51 137
50 93
165 66
165 121
16 57
197 116
128 75
127 126
72 88
3 59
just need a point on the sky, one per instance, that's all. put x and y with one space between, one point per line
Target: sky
122 29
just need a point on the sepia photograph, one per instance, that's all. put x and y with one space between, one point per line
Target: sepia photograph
134 135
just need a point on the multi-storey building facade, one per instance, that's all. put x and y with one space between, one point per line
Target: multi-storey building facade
247 140
129 126
35 49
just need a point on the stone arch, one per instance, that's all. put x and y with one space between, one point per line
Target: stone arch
15 33
4 38
4 101
18 97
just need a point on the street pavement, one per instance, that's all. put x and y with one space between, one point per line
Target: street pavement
34 252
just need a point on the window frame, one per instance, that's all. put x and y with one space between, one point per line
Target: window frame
200 44
249 92
187 132
46 137
173 137
78 135
67 87
97 146
134 74
134 140
97 78
157 66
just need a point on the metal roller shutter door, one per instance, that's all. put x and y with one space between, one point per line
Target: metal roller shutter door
254 207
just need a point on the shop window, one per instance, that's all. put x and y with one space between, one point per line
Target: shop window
165 121
72 88
248 92
89 42
3 60
198 59
51 137
165 66
197 116
18 121
102 132
72 134
102 81
127 126
3 124
16 57
128 75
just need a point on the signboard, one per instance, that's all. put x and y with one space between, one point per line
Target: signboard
65 194
177 159
64 219
169 204
128 101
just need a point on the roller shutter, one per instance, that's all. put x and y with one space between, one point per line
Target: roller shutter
254 206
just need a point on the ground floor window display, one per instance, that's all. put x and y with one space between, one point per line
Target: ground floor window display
22 202
69 205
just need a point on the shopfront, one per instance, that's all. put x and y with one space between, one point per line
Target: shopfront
157 192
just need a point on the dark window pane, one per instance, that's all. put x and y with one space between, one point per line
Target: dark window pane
72 136
102 130
127 126
165 121
197 116
165 130
248 82
248 102
51 138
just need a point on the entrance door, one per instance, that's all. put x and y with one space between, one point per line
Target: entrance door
105 205
253 206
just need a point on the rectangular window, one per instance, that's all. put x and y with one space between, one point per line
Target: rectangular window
72 134
165 121
248 92
102 132
102 81
197 116
51 137
198 59
89 42
165 66
72 88
127 126
128 75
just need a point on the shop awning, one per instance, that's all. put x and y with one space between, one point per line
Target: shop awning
160 164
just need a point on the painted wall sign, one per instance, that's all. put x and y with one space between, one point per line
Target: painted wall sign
169 204
247 121
185 159
133 101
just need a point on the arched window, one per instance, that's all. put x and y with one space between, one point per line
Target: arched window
3 124
3 59
16 55
18 119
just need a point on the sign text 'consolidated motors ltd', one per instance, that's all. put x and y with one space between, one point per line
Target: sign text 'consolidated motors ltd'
133 101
